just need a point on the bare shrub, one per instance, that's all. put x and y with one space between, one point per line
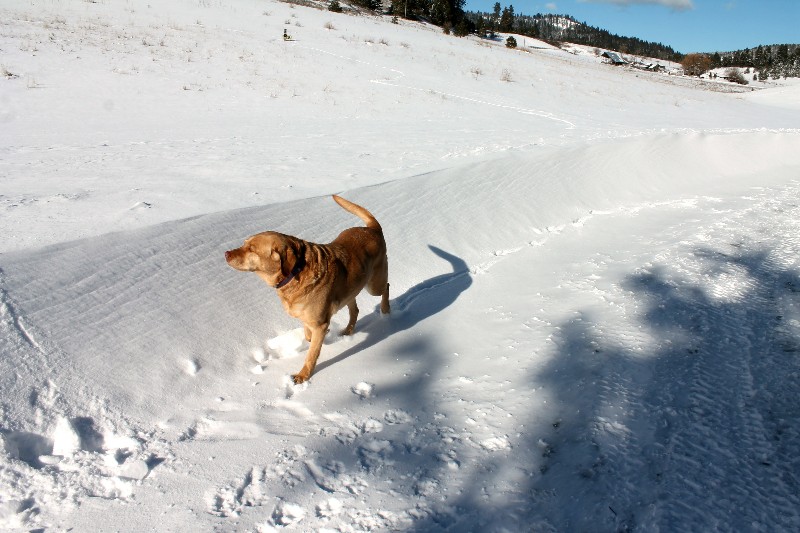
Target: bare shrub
696 64
7 73
506 75
329 26
735 75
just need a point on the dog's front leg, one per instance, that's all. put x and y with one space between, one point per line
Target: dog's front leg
318 332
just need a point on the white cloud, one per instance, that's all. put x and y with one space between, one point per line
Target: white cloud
551 6
675 5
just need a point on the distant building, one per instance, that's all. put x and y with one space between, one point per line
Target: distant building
614 58
652 67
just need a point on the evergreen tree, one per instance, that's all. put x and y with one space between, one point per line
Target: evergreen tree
507 20
480 26
409 9
440 12
494 19
372 5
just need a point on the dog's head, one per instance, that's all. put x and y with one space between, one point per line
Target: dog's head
271 255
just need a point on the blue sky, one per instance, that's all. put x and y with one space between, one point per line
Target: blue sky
686 25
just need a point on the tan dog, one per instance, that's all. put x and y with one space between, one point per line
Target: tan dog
315 281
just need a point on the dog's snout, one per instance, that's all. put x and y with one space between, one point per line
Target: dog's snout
228 255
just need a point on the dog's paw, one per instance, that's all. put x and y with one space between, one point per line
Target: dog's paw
297 379
292 387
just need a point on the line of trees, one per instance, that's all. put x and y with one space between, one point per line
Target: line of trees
563 28
449 14
771 61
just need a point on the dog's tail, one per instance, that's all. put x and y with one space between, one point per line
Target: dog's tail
358 211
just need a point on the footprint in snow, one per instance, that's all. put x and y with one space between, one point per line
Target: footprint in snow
286 514
289 344
290 388
192 367
495 444
363 390
329 508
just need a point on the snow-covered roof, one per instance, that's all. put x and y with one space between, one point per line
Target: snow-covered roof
615 58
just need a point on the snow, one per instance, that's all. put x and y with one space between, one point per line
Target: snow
785 95
594 274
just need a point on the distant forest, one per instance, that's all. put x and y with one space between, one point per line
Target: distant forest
563 28
451 16
770 61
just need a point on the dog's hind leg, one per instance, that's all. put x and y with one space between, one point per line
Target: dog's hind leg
379 285
353 308
385 309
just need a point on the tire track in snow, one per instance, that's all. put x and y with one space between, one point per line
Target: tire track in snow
693 426
713 426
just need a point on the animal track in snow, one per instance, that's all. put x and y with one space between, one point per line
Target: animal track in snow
363 390
360 451
494 444
289 344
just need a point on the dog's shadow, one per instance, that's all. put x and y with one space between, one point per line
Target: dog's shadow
418 303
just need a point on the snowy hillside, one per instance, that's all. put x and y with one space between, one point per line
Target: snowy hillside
595 281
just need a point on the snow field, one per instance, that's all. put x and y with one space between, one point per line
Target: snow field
159 113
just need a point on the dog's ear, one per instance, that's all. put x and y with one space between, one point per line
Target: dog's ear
276 258
288 260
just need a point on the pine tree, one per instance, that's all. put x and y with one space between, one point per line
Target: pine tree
494 20
440 12
462 28
480 27
507 20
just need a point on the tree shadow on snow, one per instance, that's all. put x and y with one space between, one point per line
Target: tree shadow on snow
417 304
691 425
